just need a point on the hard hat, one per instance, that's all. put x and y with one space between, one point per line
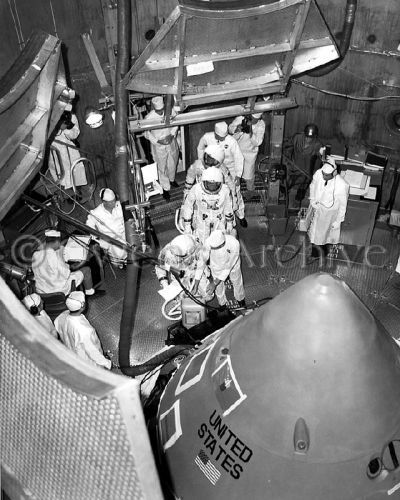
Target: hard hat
257 115
158 102
329 166
216 152
311 130
221 129
216 239
107 194
75 301
52 233
32 300
212 174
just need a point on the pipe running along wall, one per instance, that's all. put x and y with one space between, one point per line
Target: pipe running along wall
349 20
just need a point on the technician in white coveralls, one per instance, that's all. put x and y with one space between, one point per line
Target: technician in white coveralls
164 148
108 218
78 334
249 133
222 251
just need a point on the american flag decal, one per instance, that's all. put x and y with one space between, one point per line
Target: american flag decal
207 467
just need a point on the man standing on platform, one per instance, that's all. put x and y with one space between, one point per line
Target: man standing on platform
329 193
164 148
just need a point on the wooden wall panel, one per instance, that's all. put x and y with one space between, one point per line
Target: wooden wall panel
33 15
10 46
147 15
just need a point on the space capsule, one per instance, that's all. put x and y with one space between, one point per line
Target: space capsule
298 400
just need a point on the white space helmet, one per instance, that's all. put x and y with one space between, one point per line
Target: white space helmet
179 252
211 180
215 152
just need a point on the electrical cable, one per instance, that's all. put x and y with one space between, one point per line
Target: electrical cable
81 206
346 96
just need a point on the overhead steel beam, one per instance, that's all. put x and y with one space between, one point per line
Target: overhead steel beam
205 115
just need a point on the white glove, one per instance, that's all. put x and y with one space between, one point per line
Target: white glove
314 204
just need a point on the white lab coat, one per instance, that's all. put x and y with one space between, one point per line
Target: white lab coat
328 205
225 262
68 156
165 155
52 273
248 144
203 212
44 319
79 335
111 224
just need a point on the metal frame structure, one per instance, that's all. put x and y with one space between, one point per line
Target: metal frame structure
184 58
33 95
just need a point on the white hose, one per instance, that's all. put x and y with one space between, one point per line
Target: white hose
177 221
82 160
174 314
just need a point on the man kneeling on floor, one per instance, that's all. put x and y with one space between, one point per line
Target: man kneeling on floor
78 334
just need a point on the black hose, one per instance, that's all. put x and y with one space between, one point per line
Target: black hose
122 177
150 364
344 45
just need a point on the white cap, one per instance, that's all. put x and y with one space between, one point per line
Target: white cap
216 239
52 233
257 115
329 167
107 194
221 129
32 300
216 152
75 301
158 102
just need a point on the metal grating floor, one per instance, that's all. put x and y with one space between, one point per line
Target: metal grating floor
270 264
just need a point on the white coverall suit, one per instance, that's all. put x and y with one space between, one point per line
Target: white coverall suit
202 212
328 203
52 273
111 224
44 319
249 145
165 155
68 156
233 161
79 335
225 262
